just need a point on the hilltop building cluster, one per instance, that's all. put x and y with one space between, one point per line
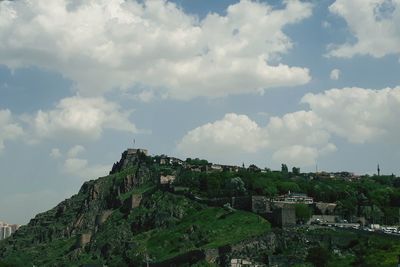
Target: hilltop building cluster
199 166
294 198
280 210
7 230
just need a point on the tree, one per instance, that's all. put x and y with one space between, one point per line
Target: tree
296 171
236 186
319 256
284 170
303 212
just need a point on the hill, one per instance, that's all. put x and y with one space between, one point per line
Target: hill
162 211
127 218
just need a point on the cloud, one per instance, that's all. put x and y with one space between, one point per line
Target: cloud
335 74
55 153
145 96
374 24
79 167
75 151
325 24
9 129
103 45
232 134
296 155
235 134
358 115
80 117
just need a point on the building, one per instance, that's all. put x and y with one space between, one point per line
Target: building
167 179
282 216
324 208
134 151
294 198
7 230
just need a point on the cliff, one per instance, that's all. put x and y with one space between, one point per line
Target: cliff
126 219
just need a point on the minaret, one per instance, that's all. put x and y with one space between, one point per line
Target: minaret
379 170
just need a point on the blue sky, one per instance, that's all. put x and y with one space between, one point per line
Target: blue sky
264 82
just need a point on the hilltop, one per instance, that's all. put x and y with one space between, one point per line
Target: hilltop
164 211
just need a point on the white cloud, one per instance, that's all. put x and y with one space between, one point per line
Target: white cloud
80 168
299 155
301 127
55 153
374 24
359 115
233 134
297 133
145 96
103 45
296 155
325 24
9 129
335 74
81 117
75 151
76 166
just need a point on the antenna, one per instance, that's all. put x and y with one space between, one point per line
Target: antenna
134 141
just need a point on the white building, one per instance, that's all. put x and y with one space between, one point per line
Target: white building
294 198
7 230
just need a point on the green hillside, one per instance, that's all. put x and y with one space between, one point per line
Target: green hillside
204 217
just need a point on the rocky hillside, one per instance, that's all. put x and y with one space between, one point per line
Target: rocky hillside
128 219
161 211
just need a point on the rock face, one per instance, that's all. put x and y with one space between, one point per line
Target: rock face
84 239
135 200
84 213
129 157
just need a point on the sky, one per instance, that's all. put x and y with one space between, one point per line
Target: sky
305 83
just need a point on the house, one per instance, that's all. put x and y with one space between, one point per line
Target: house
216 167
167 179
324 208
294 198
177 161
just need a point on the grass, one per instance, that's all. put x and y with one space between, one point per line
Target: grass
138 190
374 249
42 254
208 228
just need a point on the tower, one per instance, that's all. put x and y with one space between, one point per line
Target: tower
379 170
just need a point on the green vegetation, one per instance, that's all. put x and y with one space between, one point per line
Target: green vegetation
128 218
209 228
375 198
303 212
358 249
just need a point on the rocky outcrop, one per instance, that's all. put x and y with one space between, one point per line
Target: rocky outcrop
83 240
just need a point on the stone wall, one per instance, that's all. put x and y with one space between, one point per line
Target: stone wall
260 204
